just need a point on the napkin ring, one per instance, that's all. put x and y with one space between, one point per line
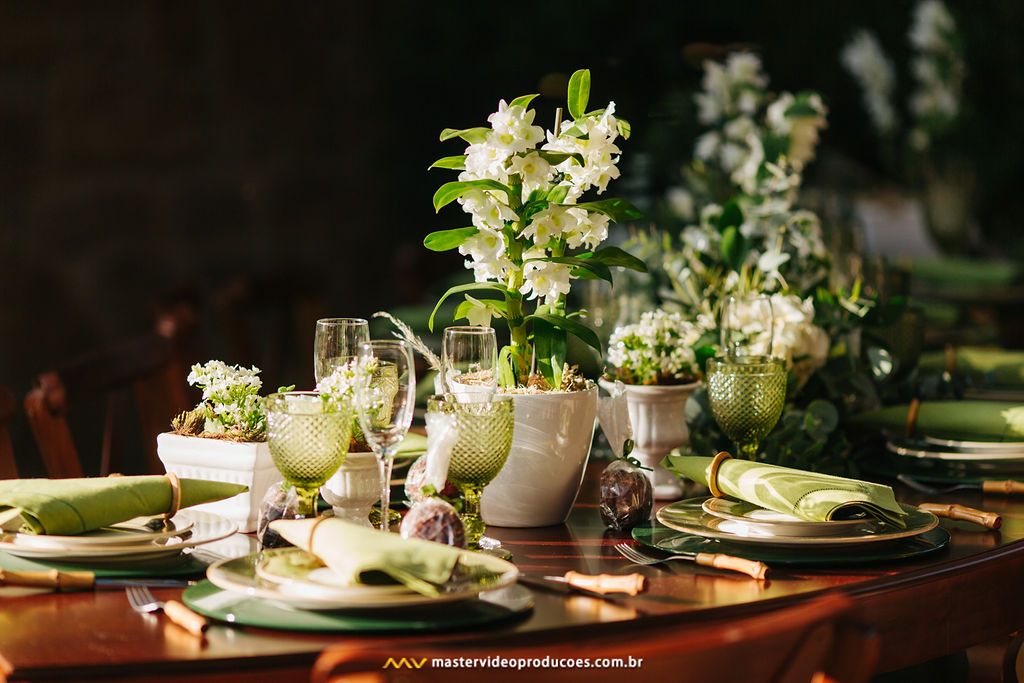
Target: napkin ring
175 494
312 530
713 475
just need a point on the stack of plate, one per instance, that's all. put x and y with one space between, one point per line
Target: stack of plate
137 542
956 459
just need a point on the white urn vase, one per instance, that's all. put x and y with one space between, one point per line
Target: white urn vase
658 416
550 447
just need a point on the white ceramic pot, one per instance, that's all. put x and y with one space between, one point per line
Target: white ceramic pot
550 447
354 488
658 416
191 457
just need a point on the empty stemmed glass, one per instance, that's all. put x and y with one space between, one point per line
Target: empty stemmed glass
385 398
308 435
337 342
480 451
469 359
746 394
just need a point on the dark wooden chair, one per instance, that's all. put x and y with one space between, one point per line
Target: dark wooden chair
147 367
813 641
8 408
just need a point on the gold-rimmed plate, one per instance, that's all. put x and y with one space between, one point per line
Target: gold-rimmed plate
779 524
139 532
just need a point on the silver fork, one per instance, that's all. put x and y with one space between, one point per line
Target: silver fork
142 600
752 568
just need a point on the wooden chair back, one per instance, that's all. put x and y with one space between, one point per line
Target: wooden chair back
143 366
8 408
811 641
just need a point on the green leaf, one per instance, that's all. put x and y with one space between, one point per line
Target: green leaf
614 256
586 335
735 247
619 210
506 369
579 93
555 158
443 240
499 308
549 345
558 193
732 216
522 101
470 135
449 192
590 265
624 128
800 109
457 289
457 162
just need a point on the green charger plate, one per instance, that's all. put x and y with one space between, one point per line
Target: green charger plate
237 608
179 565
672 541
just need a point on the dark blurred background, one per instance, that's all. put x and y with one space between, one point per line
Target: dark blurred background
267 162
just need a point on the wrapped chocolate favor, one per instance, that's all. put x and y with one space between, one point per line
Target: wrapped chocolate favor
434 519
626 495
431 517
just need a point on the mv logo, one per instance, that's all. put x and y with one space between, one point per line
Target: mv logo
404 663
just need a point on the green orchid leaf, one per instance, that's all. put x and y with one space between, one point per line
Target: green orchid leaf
470 135
619 210
592 266
557 194
458 289
549 344
623 127
457 162
449 192
579 93
555 158
735 246
585 334
506 368
522 101
443 240
614 256
732 216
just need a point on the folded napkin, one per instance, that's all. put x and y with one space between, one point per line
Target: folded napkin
73 506
1005 366
807 495
412 444
356 552
965 420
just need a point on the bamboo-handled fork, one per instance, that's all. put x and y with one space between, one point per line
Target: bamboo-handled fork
752 568
142 600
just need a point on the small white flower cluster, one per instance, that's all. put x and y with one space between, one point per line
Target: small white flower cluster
657 350
731 103
340 385
864 58
231 398
938 69
803 344
510 150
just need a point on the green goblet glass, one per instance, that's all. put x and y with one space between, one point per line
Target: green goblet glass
746 395
485 438
308 436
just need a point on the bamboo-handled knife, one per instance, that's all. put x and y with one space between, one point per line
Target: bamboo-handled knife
989 520
69 581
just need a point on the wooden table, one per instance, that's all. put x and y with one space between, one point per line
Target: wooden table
968 593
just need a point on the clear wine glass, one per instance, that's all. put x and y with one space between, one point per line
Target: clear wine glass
480 451
385 398
746 394
336 342
469 359
308 436
747 325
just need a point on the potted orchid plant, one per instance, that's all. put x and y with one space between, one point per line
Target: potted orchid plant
533 233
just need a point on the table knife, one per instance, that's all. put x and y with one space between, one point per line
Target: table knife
68 581
596 586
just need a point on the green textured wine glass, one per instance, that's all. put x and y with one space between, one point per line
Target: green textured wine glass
308 437
746 395
485 438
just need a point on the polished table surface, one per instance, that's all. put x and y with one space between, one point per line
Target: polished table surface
967 593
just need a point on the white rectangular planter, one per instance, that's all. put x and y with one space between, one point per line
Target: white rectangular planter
191 457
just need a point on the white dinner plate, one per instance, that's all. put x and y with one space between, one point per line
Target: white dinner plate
309 585
1004 447
932 450
689 517
203 527
780 524
133 533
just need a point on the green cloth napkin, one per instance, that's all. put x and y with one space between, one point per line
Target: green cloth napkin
965 420
807 495
412 444
354 552
1005 366
65 507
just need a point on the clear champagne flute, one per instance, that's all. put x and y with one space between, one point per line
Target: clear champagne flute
336 342
747 325
385 398
469 359
747 394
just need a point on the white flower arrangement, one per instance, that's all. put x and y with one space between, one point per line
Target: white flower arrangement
339 388
231 403
660 349
531 236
